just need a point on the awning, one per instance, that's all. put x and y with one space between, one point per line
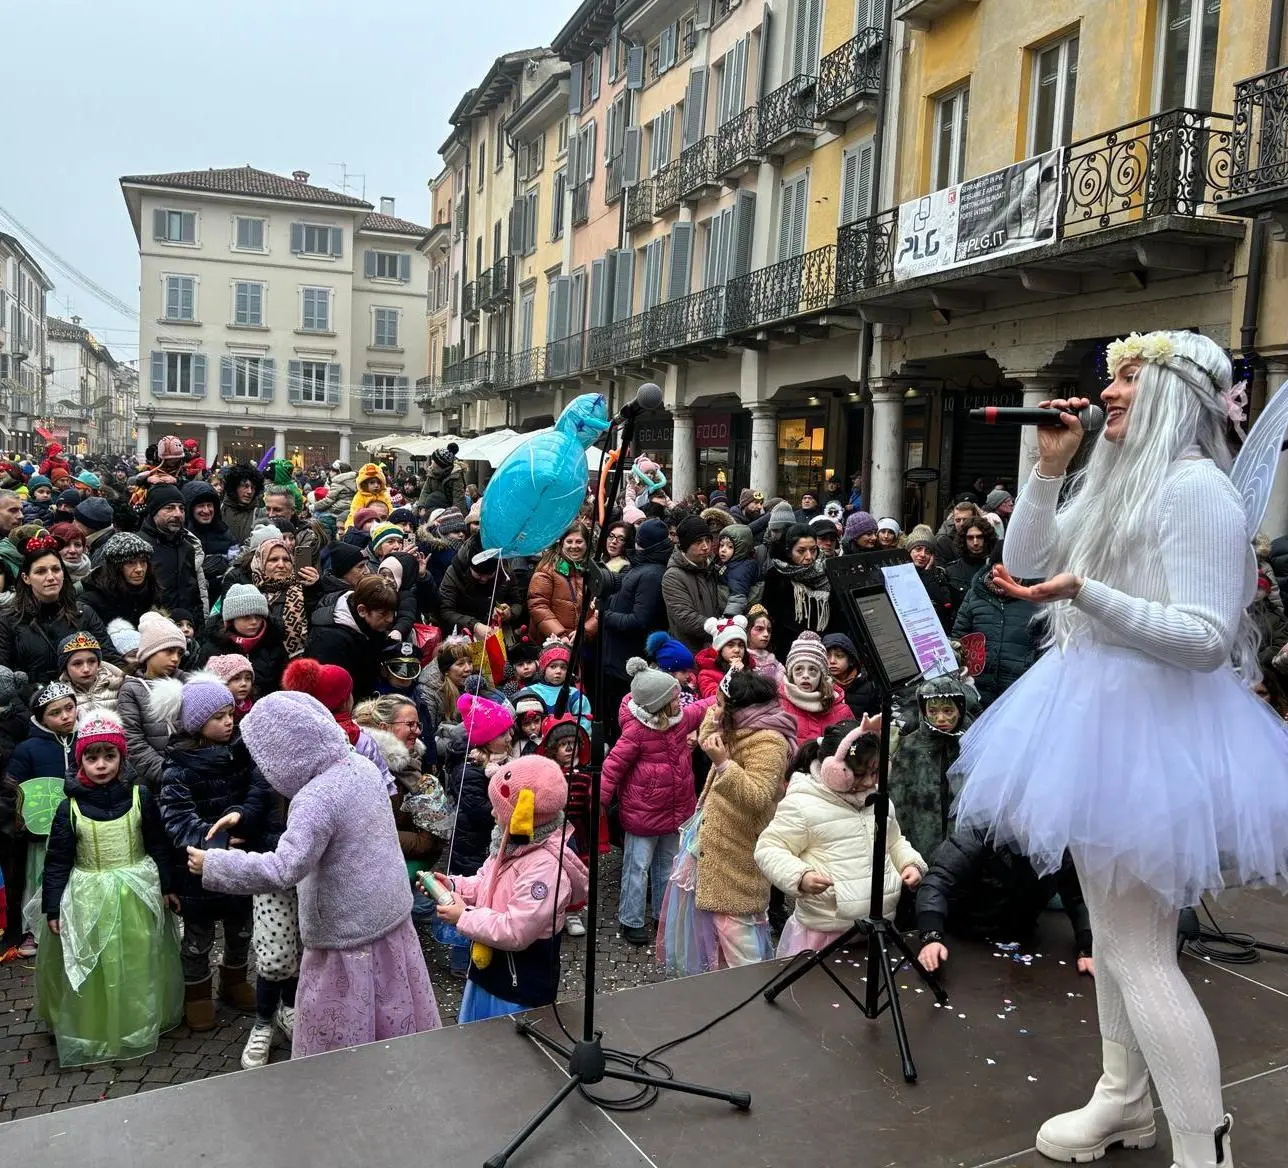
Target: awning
496 447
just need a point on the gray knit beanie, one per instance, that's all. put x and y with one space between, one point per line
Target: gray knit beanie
780 519
651 689
243 600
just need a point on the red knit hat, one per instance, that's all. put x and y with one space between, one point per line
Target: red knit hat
553 651
330 684
98 726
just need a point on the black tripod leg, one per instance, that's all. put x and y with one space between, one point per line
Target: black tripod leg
740 1099
529 1030
791 976
880 974
503 1156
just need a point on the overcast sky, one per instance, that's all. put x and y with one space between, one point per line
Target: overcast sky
95 89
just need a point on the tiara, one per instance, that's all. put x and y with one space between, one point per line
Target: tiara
80 640
724 683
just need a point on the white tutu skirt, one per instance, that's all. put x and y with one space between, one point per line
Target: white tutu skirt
1147 773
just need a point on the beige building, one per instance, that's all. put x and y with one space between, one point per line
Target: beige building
274 312
24 358
83 407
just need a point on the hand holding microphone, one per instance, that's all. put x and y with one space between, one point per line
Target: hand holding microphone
1060 423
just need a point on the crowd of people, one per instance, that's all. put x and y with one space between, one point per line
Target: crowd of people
309 708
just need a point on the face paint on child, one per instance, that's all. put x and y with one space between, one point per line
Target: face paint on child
942 714
805 675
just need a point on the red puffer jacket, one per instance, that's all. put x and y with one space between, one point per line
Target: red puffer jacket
651 771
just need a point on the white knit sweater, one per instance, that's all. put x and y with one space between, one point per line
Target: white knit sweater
1180 591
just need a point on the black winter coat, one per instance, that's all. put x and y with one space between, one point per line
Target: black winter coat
15 722
467 784
199 785
103 804
463 602
941 595
976 891
335 641
32 646
1279 565
961 575
635 610
128 605
1010 641
175 562
215 537
268 657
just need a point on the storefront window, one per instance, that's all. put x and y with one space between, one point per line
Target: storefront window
800 455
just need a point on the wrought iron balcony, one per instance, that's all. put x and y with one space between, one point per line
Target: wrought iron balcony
581 204
698 170
470 301
629 339
614 173
516 370
1259 172
472 372
599 347
787 115
1146 175
850 74
483 289
666 187
803 284
738 142
639 203
494 285
565 357
687 320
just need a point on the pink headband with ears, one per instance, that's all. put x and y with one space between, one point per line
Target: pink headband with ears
834 773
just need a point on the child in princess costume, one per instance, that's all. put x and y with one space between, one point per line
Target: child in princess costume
1134 742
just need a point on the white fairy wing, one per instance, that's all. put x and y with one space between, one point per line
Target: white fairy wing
1253 473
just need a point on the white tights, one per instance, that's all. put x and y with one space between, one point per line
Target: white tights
1146 1004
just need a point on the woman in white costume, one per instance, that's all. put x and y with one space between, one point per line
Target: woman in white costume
1170 771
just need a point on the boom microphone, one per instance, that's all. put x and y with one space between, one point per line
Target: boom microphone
1091 417
647 397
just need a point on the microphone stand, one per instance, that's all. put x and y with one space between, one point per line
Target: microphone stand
587 1064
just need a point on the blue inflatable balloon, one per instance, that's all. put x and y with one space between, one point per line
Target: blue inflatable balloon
538 490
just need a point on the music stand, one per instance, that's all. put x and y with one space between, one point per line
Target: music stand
858 581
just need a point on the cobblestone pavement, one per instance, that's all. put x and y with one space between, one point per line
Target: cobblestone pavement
31 1082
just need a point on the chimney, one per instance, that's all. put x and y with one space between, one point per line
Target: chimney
76 320
300 175
387 205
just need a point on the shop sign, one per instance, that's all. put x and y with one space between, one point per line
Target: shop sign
713 430
1011 210
979 401
655 433
243 432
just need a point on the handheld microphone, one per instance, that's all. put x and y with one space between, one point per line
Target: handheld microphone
647 397
1091 417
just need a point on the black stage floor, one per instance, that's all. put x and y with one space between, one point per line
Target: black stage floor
1018 1043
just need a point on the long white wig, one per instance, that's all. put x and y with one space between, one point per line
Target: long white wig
1113 501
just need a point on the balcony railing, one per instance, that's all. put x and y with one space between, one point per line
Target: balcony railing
480 369
666 187
1260 129
483 289
599 347
581 204
789 110
565 357
802 284
687 320
639 203
494 284
470 301
698 167
738 141
1176 164
851 72
614 173
629 339
519 369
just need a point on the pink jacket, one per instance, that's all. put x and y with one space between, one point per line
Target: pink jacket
510 905
651 771
811 724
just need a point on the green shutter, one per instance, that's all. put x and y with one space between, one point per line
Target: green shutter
369 264
226 370
158 373
158 223
199 375
267 379
337 241
294 379
333 376
297 238
404 267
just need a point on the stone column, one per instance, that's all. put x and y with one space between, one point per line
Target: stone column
279 444
887 452
684 455
1039 386
212 445
141 443
764 448
345 438
1275 523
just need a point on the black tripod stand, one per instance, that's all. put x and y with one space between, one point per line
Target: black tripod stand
587 1063
856 581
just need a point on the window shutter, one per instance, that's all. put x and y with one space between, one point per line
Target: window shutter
632 142
668 46
539 150
589 153
333 381
188 227
226 365
574 87
530 222
635 67
598 285
849 185
523 161
762 64
404 268
516 229
198 375
368 393
158 373
402 395
613 48
577 303
294 382
744 217
369 264
868 14
297 238
563 297
798 215
337 241
681 260
158 223
624 285
695 106
863 187
702 15
594 66
267 379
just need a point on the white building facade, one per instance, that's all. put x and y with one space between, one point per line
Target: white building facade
80 391
273 313
24 343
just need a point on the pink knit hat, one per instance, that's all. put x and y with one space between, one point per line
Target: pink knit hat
229 665
807 648
483 719
156 633
534 773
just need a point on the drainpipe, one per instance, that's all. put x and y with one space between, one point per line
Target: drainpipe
1258 246
874 199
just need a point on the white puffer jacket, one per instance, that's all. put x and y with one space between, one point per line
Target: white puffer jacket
815 829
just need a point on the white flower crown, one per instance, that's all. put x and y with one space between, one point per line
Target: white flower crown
1156 349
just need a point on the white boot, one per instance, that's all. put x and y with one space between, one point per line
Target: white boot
1203 1149
1120 1112
259 1045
